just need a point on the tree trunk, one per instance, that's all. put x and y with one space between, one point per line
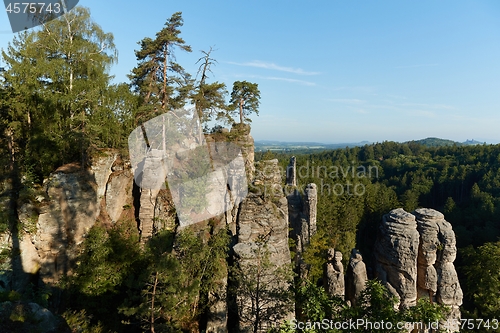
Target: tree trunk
153 295
12 159
241 111
165 63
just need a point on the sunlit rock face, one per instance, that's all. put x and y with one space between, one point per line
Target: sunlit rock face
414 258
437 277
262 235
396 252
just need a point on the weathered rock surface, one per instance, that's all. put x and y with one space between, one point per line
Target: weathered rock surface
415 254
333 274
302 215
356 277
118 193
437 277
263 233
101 170
396 251
64 221
28 317
245 141
310 212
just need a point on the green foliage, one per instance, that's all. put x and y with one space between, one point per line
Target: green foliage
482 270
57 93
161 83
264 290
80 321
245 99
178 276
376 305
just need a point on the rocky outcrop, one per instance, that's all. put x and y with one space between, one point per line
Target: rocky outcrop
309 228
64 220
262 247
396 251
414 258
333 274
101 169
356 277
437 278
118 192
244 140
302 214
20 316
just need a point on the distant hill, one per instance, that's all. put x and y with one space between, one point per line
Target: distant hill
472 142
437 142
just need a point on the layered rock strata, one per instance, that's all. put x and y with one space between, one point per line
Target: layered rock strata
437 277
414 259
396 251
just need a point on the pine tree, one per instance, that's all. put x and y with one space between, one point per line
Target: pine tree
158 90
245 99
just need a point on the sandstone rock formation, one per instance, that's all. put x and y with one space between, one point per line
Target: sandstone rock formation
333 274
396 251
415 254
263 237
118 193
291 172
437 278
310 211
302 209
64 220
356 277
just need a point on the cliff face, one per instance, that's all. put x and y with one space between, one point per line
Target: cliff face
262 251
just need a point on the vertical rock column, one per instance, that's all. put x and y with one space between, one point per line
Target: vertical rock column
437 277
310 209
263 233
356 277
396 251
333 274
291 173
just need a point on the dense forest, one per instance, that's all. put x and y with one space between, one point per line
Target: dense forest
58 105
356 186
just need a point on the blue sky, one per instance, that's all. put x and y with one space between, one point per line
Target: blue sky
336 71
